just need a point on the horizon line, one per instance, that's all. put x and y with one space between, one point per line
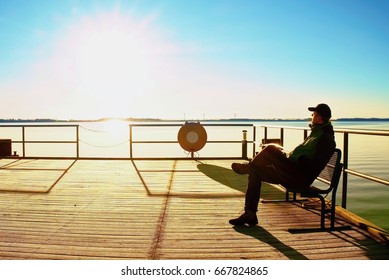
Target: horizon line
186 120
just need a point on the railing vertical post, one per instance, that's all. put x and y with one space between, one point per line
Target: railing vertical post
23 140
345 167
282 136
130 126
254 139
78 141
264 140
244 144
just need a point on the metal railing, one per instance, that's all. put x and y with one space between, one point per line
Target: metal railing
345 153
245 142
24 141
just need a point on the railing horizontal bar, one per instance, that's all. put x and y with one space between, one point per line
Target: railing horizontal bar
368 177
188 157
46 142
363 132
154 142
180 124
172 142
41 125
231 141
46 157
285 127
133 158
352 131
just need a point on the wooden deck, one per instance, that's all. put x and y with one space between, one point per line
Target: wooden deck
120 209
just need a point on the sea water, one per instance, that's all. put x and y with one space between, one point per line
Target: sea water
367 154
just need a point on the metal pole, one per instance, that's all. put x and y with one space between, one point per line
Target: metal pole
130 141
282 137
78 140
254 139
23 140
345 166
244 144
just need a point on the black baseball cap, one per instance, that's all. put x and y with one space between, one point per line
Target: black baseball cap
323 110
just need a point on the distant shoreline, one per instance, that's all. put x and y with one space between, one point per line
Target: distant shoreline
180 120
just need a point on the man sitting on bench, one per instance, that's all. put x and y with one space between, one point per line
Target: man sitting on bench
295 170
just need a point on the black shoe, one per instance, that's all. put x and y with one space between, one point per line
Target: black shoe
240 168
248 217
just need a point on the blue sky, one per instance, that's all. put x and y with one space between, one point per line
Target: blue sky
193 59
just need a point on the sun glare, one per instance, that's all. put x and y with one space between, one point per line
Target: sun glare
111 54
116 129
111 51
111 61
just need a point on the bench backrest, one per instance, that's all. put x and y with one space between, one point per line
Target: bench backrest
332 172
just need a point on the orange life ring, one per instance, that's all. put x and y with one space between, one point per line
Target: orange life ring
192 137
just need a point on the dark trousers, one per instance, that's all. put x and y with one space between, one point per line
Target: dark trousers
271 165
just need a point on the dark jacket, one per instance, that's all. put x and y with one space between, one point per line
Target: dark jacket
313 154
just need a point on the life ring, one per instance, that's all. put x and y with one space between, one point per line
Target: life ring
192 137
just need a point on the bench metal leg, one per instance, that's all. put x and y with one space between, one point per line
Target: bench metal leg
322 228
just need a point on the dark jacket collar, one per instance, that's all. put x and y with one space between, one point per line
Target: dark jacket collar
326 127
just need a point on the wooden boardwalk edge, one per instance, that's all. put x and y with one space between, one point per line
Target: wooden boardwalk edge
374 230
